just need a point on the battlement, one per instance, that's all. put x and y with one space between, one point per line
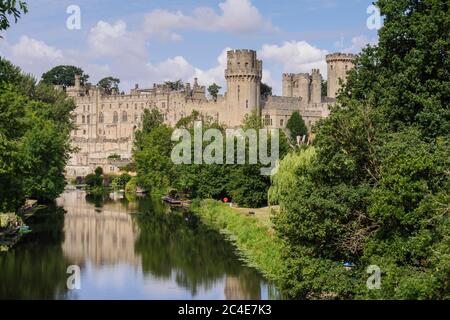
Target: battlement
340 57
316 72
240 62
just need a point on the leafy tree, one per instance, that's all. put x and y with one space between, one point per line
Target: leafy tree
376 190
213 90
296 127
324 88
266 90
174 85
11 8
35 124
109 84
64 76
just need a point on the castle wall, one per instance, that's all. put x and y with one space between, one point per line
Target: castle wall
106 124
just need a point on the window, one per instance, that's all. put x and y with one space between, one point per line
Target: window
101 118
124 116
246 104
88 119
84 131
115 117
83 119
267 120
281 122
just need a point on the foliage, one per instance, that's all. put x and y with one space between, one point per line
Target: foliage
131 186
121 181
296 127
213 90
257 244
64 76
324 88
376 190
109 84
266 90
174 85
35 124
12 8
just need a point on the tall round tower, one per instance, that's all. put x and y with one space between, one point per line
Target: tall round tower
338 66
243 75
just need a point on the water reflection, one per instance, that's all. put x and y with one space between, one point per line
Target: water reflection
126 250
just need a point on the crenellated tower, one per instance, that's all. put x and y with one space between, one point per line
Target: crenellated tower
316 86
339 64
243 75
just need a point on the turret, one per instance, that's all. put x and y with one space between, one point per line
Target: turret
338 66
316 86
243 75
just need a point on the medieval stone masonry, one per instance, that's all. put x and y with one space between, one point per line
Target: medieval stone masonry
106 123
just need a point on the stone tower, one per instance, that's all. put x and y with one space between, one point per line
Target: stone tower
338 66
316 86
297 85
243 75
288 81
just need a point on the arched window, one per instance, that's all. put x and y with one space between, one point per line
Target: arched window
267 120
101 118
124 116
115 117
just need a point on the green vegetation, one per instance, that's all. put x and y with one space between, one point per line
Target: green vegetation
296 127
64 76
213 91
257 243
35 124
174 85
109 84
11 8
266 90
156 172
375 191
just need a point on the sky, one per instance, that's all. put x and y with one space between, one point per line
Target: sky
149 41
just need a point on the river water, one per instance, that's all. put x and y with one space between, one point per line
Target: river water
124 249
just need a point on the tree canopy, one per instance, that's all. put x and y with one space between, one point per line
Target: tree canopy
64 76
213 90
266 90
109 84
296 127
375 191
11 8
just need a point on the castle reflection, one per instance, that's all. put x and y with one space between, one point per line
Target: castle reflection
102 236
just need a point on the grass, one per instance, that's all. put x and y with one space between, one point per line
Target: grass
252 235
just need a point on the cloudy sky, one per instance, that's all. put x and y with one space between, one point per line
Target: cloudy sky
147 41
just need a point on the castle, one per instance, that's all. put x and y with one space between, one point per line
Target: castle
106 123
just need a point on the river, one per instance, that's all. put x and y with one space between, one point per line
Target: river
138 249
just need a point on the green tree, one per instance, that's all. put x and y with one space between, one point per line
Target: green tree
266 90
174 85
376 190
64 76
213 90
35 124
296 127
12 8
324 88
109 84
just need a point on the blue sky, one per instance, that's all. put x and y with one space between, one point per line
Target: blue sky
147 41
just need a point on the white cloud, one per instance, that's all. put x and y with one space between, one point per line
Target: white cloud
238 16
358 43
295 56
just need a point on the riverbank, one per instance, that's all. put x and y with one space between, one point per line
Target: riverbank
253 237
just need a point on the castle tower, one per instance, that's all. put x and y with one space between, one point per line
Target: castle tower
77 82
243 75
338 66
316 86
287 84
302 86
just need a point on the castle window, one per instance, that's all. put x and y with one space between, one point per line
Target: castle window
101 118
267 120
83 119
84 131
124 116
88 119
246 104
281 122
115 117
